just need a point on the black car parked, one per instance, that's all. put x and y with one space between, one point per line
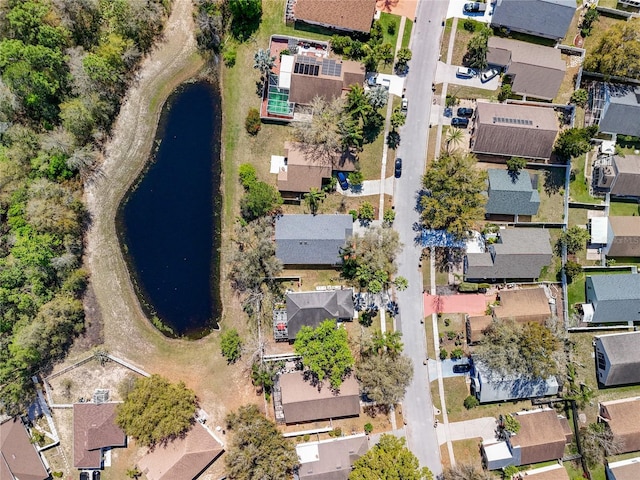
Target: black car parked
462 368
460 122
398 170
96 475
465 112
84 476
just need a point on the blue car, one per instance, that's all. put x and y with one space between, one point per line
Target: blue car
342 180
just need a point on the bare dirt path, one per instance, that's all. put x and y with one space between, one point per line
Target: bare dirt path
127 333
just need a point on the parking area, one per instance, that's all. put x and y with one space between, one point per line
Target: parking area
456 9
447 73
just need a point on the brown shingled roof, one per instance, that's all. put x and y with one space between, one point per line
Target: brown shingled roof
94 428
523 305
623 418
627 181
304 88
476 326
541 436
514 130
626 236
303 402
18 456
356 15
183 458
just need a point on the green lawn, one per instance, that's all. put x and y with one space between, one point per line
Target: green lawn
577 216
578 186
575 291
551 190
626 209
550 273
406 36
387 20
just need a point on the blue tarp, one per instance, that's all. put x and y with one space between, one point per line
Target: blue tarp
439 238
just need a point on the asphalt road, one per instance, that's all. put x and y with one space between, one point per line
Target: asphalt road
417 406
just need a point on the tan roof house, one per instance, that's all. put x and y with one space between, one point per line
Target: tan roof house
551 472
536 71
303 169
523 305
510 130
347 15
304 402
476 327
624 234
184 458
628 469
94 430
19 459
621 177
623 419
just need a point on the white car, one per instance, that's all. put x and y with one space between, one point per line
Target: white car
489 74
404 106
465 72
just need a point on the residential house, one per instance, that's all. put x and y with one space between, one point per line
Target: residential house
489 386
620 176
542 18
345 15
615 108
628 469
612 298
185 457
312 240
542 437
535 71
301 401
512 193
302 169
520 253
624 237
19 459
94 432
510 130
523 305
618 358
550 472
310 309
476 326
622 417
330 459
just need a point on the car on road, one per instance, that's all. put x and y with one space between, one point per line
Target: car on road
465 112
398 169
489 74
84 476
465 72
404 106
474 7
461 368
342 180
460 122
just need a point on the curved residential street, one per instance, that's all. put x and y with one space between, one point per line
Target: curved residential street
417 406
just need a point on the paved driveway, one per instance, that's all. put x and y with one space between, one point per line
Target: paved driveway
369 187
455 10
471 303
447 367
484 428
447 73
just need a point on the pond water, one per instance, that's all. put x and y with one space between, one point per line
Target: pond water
169 222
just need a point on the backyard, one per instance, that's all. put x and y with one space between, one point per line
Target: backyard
551 190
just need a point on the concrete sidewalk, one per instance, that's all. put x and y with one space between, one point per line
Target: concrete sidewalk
484 428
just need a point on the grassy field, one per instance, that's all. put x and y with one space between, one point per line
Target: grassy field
472 92
578 186
624 209
406 36
390 21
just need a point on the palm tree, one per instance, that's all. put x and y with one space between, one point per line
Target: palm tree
263 61
357 103
313 199
455 137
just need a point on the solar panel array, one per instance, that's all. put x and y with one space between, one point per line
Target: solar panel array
513 121
331 67
306 66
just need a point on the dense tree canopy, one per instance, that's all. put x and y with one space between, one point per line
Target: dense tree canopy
385 378
325 352
389 459
452 200
156 410
618 52
573 142
477 50
64 66
575 239
509 348
257 451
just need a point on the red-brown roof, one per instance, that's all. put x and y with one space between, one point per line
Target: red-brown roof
623 418
356 15
183 458
542 436
18 457
94 428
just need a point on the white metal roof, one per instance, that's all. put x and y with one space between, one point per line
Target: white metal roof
286 67
599 228
308 452
497 451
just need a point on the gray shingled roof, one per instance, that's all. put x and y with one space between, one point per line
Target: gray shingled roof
627 177
520 254
543 18
623 352
511 194
335 458
498 388
621 113
311 239
615 298
312 308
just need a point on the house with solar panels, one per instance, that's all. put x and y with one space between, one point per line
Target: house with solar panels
304 70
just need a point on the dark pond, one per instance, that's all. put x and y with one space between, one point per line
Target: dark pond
169 222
